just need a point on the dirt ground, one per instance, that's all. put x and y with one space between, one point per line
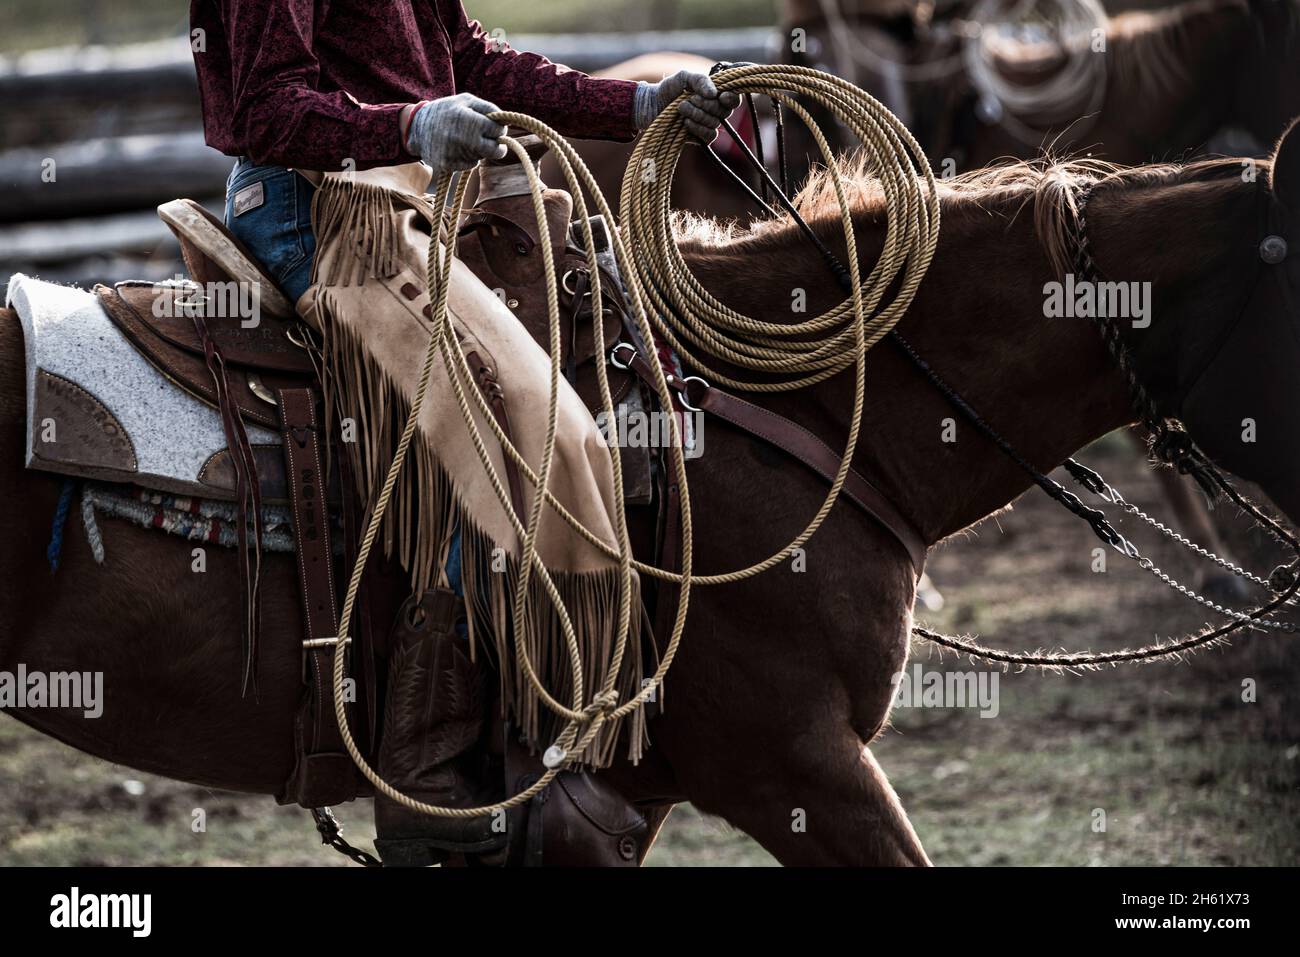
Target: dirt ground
1183 769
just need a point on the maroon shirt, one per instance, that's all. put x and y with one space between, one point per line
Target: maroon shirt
315 83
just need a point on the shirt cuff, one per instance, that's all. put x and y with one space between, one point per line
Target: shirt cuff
614 113
377 136
645 104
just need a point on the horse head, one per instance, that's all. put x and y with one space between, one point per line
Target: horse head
1243 405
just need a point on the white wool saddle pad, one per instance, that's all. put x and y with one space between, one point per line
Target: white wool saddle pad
98 409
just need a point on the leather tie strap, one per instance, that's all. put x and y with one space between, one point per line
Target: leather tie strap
801 445
486 219
323 773
249 499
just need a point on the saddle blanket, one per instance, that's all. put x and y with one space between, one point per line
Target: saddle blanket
97 409
199 520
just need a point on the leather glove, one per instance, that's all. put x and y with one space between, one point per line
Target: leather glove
454 133
703 111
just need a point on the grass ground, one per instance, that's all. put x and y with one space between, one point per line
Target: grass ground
31 24
1185 771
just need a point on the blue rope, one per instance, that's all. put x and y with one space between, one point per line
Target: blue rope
60 519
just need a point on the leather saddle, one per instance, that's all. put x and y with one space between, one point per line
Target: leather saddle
231 338
255 365
261 348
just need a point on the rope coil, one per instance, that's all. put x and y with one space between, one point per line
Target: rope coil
1073 91
662 291
703 330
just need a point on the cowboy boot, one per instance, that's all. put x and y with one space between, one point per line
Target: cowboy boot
434 720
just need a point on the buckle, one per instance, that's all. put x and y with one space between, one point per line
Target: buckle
569 283
625 365
683 387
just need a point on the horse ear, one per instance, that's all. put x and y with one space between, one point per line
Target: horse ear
1285 181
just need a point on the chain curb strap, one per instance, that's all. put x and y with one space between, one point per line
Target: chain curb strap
1171 445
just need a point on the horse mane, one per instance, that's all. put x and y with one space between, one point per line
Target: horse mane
1049 185
1149 48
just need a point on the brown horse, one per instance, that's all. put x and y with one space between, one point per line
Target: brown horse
1175 77
783 680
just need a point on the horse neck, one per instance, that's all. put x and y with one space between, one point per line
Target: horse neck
1046 385
1167 90
978 319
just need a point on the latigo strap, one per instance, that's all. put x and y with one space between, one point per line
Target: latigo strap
323 773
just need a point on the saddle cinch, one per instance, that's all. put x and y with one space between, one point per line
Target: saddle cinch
263 374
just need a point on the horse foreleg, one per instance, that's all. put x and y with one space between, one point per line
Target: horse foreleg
817 803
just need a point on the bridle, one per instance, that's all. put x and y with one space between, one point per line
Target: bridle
1171 444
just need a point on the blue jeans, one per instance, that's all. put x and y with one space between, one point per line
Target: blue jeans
275 225
274 222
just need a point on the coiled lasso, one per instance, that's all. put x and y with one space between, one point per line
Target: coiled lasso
1073 93
667 299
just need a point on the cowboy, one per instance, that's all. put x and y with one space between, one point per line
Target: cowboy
330 85
356 84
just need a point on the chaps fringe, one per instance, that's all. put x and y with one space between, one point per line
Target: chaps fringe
425 509
363 216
